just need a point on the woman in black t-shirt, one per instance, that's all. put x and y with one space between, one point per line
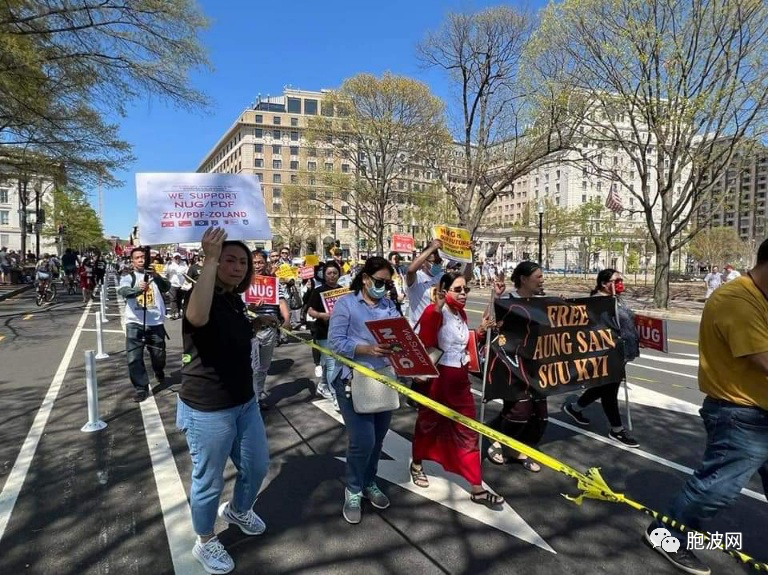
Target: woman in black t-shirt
217 408
316 309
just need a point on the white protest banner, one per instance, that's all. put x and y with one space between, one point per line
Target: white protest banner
178 208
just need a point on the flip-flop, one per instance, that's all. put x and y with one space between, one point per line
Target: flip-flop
497 452
528 464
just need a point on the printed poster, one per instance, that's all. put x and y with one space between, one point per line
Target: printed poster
457 243
410 358
330 297
262 291
652 332
178 208
402 243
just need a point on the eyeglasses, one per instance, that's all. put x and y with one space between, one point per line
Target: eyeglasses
465 289
378 282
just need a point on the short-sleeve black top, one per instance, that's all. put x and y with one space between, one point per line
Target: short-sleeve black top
216 367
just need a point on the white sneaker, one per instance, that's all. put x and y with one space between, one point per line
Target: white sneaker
324 391
318 371
212 556
248 522
335 404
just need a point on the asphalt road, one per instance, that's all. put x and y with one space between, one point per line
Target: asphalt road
115 501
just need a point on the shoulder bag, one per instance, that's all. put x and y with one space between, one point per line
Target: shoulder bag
372 396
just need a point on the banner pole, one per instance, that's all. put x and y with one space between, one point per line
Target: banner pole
488 338
624 379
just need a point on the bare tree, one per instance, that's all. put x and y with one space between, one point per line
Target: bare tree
380 128
505 125
297 222
716 246
676 88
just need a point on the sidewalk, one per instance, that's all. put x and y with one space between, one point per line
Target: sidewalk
7 291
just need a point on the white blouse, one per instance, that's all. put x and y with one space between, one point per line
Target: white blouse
452 339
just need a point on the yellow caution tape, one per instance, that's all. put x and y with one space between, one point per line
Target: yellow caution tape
590 484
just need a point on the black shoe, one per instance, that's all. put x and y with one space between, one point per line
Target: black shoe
577 416
160 376
623 437
140 396
683 559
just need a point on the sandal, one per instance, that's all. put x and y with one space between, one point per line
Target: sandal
487 498
418 476
496 454
528 464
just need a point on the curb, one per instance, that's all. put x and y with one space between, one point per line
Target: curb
662 314
15 292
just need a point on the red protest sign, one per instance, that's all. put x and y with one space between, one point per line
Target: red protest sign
306 272
474 356
410 358
263 290
330 297
651 332
402 243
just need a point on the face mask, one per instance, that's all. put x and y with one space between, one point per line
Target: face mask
453 302
377 293
435 269
618 287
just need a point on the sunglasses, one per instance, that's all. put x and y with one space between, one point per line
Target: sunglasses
379 283
465 289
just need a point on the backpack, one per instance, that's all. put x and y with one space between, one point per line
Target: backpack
294 297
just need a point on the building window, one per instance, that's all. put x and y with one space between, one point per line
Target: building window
344 224
311 166
5 217
312 152
277 164
599 186
276 149
344 196
294 122
258 133
294 105
584 172
260 176
312 181
310 107
276 193
259 119
400 185
276 134
277 178
294 164
557 174
327 109
258 148
584 185
258 162
583 198
344 168
294 136
328 166
276 120
294 177
276 208
3 196
345 210
294 150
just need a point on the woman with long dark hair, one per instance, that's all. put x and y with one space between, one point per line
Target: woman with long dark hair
217 408
526 417
437 438
316 310
610 283
349 337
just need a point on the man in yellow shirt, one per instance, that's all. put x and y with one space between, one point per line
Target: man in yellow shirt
733 373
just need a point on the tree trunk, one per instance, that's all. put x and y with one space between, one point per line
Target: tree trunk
661 276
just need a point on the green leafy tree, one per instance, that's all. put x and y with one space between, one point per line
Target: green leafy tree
559 224
297 222
717 246
676 88
73 221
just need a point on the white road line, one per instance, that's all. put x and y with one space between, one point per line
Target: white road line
663 370
177 516
15 481
106 330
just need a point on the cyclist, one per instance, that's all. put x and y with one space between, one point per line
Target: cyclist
44 271
69 264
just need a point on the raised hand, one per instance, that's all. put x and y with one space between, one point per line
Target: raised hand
213 242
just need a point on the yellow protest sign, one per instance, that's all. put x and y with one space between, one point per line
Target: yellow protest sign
456 243
311 260
286 272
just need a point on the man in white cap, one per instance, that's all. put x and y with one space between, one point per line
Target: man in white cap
175 272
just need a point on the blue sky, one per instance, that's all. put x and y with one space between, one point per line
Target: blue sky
260 47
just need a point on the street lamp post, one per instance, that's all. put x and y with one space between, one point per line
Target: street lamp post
540 210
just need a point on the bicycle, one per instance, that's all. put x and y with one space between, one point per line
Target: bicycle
46 292
69 281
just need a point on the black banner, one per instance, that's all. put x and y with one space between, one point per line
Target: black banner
548 346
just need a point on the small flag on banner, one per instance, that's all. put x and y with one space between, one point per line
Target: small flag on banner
613 201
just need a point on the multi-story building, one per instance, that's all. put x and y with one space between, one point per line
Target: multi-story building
16 214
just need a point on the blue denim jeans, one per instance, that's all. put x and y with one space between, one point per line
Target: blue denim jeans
213 436
328 363
737 447
365 436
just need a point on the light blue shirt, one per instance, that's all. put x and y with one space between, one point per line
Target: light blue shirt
347 329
